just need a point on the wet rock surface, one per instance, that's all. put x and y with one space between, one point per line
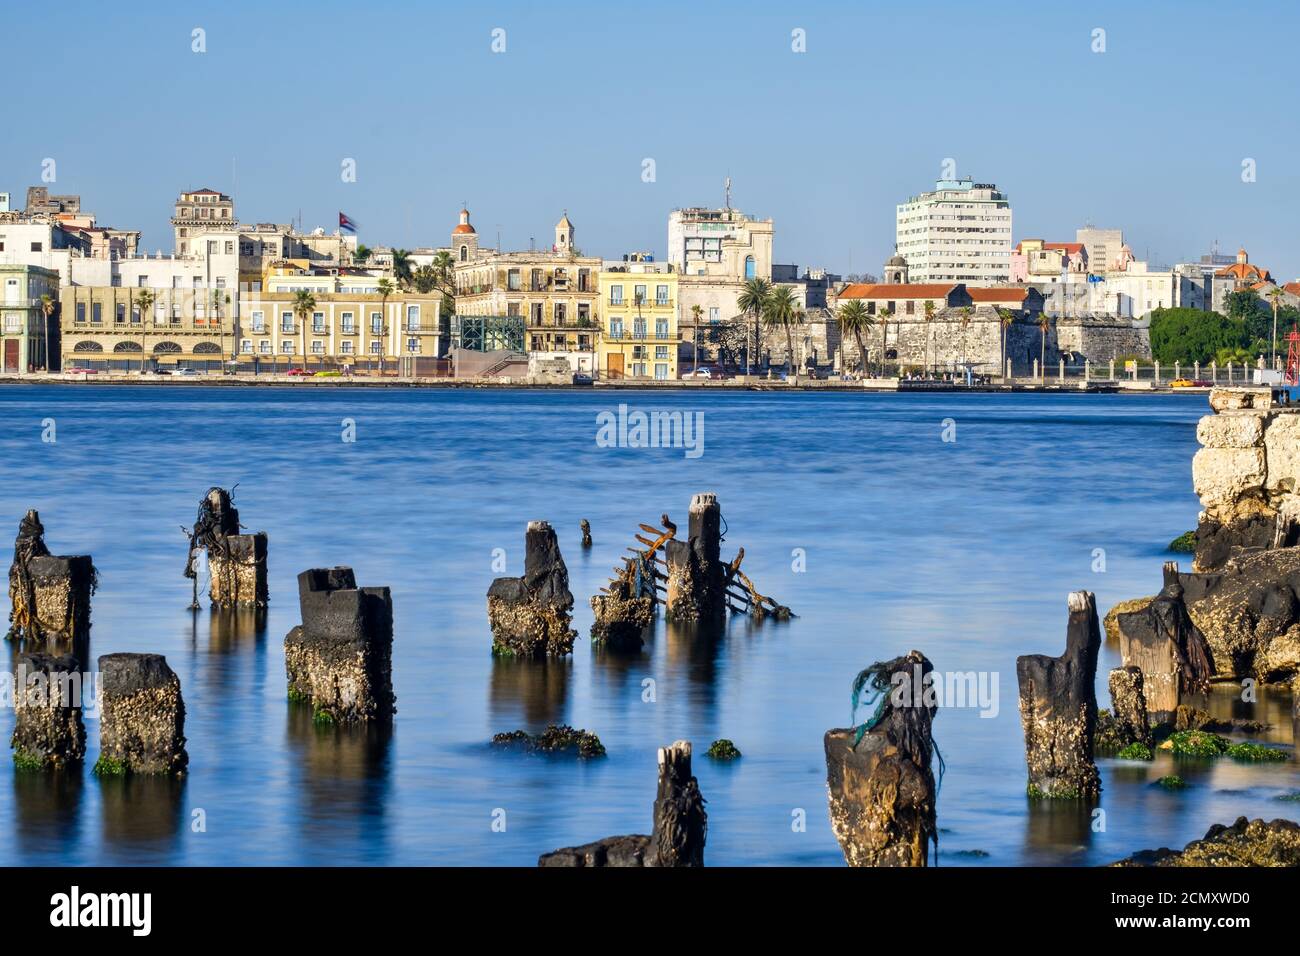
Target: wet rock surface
696 574
49 595
340 658
236 561
531 616
48 729
142 723
1244 843
680 825
1058 709
554 739
1161 640
879 776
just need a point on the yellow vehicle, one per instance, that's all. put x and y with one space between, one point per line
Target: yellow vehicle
1182 383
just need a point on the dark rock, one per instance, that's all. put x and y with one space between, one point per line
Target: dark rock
1129 706
1245 843
49 595
1164 643
1058 708
586 532
340 658
626 608
48 730
531 616
879 777
554 739
680 825
696 574
142 722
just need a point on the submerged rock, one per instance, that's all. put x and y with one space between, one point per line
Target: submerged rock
680 825
48 730
554 739
530 616
1245 843
1058 709
879 777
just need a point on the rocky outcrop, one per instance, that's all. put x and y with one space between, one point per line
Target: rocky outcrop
340 658
879 775
531 616
48 730
1163 642
1129 707
1058 709
142 723
1245 843
553 740
680 825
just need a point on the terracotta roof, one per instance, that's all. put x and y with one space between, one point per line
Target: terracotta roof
1073 248
863 290
1292 287
998 293
462 228
1241 271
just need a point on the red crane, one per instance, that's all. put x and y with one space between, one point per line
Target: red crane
1293 357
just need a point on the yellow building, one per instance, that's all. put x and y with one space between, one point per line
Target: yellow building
640 336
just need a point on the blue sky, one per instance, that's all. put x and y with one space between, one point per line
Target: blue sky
1148 136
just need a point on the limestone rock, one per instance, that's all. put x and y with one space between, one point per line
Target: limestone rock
1235 399
1230 430
1111 621
1282 452
1227 474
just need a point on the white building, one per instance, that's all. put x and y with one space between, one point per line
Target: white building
1102 245
722 243
959 232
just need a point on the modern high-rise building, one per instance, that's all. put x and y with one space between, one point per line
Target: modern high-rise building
959 232
1103 247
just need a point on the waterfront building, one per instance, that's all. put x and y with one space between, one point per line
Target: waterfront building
554 291
640 303
958 232
199 211
27 333
1244 274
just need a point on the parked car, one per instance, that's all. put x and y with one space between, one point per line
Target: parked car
709 372
297 371
186 371
161 371
327 373
81 370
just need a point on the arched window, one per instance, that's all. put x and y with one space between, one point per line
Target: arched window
88 347
166 348
464 253
207 348
127 347
749 267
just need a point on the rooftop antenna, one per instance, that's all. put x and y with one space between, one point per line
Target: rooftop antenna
727 190
498 238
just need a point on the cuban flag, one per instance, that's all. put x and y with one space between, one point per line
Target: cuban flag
346 224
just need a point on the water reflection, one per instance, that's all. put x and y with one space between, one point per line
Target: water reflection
47 809
1056 830
235 629
342 777
142 814
528 694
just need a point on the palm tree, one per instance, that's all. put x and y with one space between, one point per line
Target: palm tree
854 317
966 313
444 271
146 298
781 311
47 310
753 297
1275 296
885 315
1005 320
402 267
929 319
1044 326
386 289
219 298
696 312
304 303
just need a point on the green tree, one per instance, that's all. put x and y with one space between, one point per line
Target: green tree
1006 318
1248 308
1188 336
855 319
146 298
1044 326
885 315
781 311
1275 297
752 299
304 303
929 320
402 267
385 287
48 306
361 255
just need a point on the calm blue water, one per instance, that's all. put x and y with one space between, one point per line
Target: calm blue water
964 550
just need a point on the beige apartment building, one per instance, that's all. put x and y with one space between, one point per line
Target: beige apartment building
958 232
556 292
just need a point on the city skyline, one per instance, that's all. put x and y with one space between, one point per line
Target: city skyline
549 124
